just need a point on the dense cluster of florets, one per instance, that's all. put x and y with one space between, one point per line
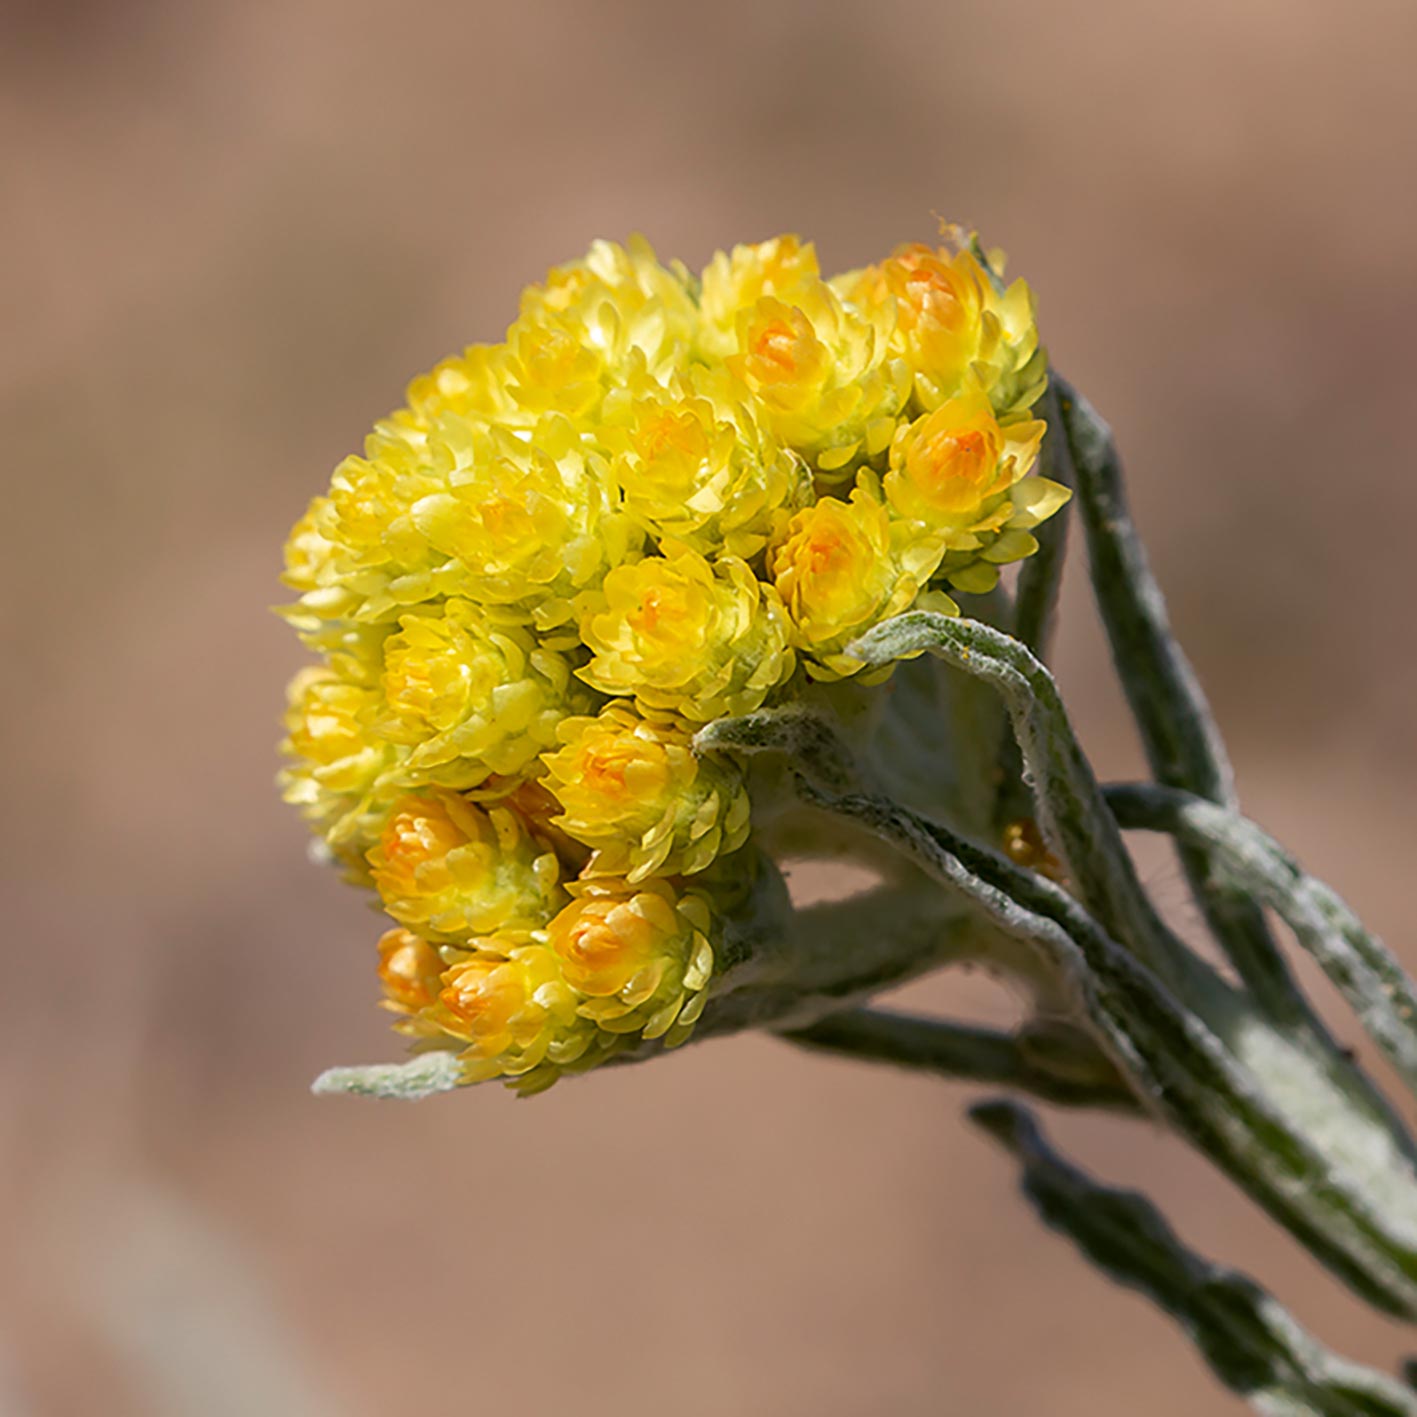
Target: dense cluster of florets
661 500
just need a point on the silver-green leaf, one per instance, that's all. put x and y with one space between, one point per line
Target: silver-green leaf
1247 859
1251 1342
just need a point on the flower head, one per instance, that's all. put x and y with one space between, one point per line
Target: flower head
515 1012
469 696
961 474
569 551
641 956
951 323
527 521
453 870
823 375
695 467
680 633
782 268
841 567
633 789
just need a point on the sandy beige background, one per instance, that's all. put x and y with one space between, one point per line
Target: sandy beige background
231 232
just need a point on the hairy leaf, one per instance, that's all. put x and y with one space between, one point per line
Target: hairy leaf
1246 859
1251 1342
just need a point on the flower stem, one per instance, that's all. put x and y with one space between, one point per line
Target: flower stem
970 1054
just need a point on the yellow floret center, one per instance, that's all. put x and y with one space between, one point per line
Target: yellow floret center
672 445
415 846
954 470
605 943
782 353
667 616
831 571
432 689
490 998
624 769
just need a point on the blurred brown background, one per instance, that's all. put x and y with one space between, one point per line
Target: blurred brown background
231 232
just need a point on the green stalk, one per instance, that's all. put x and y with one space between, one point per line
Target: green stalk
1028 1060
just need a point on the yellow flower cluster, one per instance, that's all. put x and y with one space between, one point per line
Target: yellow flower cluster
660 500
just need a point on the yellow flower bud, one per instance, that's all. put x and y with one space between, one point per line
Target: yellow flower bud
469 696
634 791
683 635
452 870
782 268
697 469
552 370
470 387
780 357
951 323
961 475
515 1012
840 568
940 303
822 374
356 553
530 522
410 970
641 955
636 315
368 509
309 555
338 756
949 467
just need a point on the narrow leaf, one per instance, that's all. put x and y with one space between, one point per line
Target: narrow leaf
1040 579
1070 808
1040 576
1252 1344
1302 1066
1346 1195
1183 744
1246 859
409 1082
798 733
